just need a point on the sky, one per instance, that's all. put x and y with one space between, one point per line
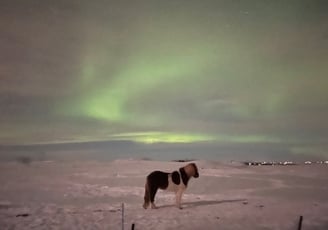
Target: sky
219 76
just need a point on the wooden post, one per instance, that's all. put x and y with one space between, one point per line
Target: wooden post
122 216
132 227
300 223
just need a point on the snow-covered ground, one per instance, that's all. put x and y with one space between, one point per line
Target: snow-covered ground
89 195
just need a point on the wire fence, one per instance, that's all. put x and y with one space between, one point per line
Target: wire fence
300 222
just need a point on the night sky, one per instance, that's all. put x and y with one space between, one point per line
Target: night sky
219 76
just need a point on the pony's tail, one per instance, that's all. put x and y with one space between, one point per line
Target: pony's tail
147 195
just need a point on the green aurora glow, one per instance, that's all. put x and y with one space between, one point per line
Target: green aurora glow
211 71
162 137
218 72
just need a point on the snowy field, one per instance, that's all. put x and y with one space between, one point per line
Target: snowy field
89 194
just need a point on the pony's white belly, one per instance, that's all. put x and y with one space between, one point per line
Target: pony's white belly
172 187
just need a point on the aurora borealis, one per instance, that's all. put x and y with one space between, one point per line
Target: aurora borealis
237 73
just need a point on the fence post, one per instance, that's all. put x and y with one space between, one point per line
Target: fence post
300 223
122 216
